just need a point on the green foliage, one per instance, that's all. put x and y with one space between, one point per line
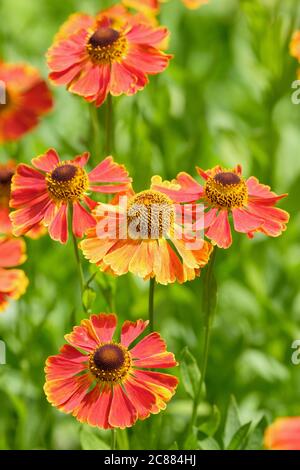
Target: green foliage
225 99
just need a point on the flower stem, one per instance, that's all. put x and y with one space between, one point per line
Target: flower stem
209 307
79 265
109 126
151 304
113 439
96 143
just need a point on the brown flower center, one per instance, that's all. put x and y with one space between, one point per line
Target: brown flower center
110 362
67 183
5 176
226 190
106 46
150 215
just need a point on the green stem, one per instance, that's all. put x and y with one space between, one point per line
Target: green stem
79 266
151 304
109 126
113 439
209 306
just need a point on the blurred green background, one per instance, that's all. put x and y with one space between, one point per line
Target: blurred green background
226 98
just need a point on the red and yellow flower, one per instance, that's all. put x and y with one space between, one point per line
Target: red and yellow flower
45 193
13 282
106 383
283 434
147 236
110 53
250 203
27 98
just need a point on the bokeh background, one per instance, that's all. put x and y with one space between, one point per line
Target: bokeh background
226 98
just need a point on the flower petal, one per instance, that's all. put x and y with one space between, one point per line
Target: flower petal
219 231
104 326
58 229
46 162
122 413
131 330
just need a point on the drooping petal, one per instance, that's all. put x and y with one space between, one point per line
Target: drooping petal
95 406
219 231
142 398
122 413
66 394
58 229
82 220
108 171
244 221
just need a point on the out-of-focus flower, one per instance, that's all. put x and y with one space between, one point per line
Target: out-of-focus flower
295 45
110 53
7 171
13 282
104 383
27 98
153 6
45 193
250 204
147 236
283 434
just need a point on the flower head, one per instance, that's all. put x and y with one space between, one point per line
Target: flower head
226 193
104 383
113 52
283 434
27 98
13 282
147 234
44 194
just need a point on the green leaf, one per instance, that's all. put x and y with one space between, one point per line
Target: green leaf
239 439
209 444
191 442
212 423
233 422
255 441
90 441
190 372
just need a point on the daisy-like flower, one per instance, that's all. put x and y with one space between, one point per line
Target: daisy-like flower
13 282
110 53
27 98
283 434
148 236
250 203
44 194
104 383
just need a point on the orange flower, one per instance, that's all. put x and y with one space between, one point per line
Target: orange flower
27 99
103 383
45 194
13 282
110 53
250 204
283 434
295 45
147 235
7 171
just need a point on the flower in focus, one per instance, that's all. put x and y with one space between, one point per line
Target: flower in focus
7 171
27 98
147 236
104 383
44 194
110 53
283 434
13 282
250 203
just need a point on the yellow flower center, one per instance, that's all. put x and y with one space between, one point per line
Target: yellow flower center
107 45
226 190
67 183
150 215
110 362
